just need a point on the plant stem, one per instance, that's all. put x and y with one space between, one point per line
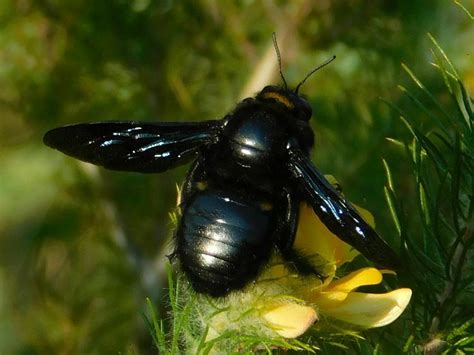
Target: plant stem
435 345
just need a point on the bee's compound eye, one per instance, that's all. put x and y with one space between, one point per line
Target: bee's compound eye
305 110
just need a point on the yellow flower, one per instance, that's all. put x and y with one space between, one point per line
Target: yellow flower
286 304
333 298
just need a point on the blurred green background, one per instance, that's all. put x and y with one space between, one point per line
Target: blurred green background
80 247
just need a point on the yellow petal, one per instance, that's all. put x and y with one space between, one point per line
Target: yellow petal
290 320
370 310
313 238
366 215
328 300
337 291
361 277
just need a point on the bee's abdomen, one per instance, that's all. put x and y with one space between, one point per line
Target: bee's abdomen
222 240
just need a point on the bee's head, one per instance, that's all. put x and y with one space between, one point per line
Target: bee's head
294 108
290 100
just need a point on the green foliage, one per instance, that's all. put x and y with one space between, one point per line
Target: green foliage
437 241
81 248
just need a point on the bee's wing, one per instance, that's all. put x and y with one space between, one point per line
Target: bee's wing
134 146
337 213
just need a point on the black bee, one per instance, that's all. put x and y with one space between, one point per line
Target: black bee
241 197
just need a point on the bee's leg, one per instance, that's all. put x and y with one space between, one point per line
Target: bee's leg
288 218
196 180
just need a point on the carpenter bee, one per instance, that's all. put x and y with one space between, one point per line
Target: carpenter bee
240 200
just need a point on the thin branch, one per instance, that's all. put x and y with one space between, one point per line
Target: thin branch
456 265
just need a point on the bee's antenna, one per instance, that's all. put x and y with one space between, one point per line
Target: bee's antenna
313 71
277 50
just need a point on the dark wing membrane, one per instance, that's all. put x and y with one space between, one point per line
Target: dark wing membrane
134 146
337 213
